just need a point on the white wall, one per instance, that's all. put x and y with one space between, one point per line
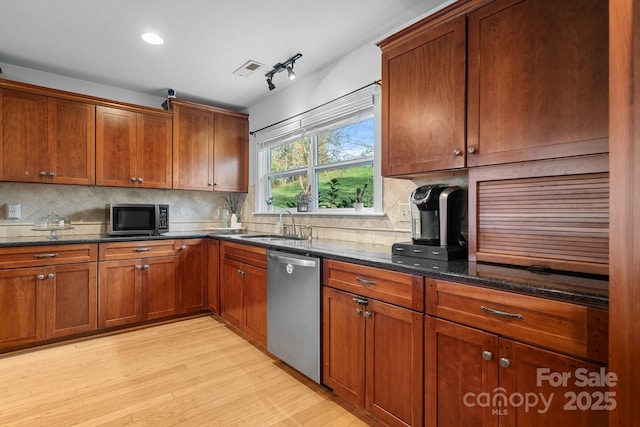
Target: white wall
55 81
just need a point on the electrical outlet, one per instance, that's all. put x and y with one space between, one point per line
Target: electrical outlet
14 211
404 212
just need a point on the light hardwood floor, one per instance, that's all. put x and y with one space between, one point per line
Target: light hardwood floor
195 372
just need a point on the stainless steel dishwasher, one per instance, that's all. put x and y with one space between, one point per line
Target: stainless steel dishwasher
293 311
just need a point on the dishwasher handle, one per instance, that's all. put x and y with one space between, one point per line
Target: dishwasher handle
293 261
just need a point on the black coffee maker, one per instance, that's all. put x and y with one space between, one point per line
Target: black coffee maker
436 215
436 224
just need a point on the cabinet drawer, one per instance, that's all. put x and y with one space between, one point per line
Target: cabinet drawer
570 328
392 287
36 256
248 254
143 249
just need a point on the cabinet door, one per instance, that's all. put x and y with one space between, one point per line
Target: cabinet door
192 148
120 292
423 105
231 298
23 136
213 272
71 142
115 147
394 363
538 80
71 299
161 287
22 306
529 371
231 153
343 348
460 365
255 302
193 274
154 150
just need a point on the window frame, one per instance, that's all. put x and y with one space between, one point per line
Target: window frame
325 118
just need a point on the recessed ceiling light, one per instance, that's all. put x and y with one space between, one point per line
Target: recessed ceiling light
152 38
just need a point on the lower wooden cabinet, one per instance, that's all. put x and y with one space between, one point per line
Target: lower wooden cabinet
22 306
243 289
373 355
53 295
133 287
476 378
193 274
40 303
71 299
138 289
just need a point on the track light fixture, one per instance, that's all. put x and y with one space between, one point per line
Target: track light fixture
280 67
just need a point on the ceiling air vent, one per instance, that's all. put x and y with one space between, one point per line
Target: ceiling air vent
248 68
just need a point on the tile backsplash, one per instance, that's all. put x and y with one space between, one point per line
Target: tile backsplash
196 210
86 206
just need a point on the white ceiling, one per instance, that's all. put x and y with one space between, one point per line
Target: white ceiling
206 40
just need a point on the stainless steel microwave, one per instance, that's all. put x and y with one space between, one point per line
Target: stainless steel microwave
137 218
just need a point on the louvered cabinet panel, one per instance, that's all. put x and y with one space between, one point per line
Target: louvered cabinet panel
558 222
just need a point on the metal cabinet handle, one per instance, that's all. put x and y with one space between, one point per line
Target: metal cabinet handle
361 301
43 173
133 179
215 184
45 255
487 355
140 180
146 266
52 174
183 247
367 314
51 275
358 311
505 363
141 249
40 276
138 267
365 281
501 313
211 184
471 150
457 152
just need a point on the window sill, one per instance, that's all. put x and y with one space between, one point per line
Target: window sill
344 213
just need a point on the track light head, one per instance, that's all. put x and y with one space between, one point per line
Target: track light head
270 83
292 75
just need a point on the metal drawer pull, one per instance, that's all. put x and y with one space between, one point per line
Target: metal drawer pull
365 281
46 255
501 313
142 249
361 301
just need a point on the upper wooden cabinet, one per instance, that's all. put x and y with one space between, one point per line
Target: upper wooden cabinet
537 80
210 148
423 106
46 139
133 149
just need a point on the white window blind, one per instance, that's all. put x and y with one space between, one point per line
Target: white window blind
345 108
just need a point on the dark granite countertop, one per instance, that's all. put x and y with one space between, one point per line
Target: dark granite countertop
575 289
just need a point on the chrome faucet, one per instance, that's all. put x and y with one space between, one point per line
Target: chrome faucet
293 223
